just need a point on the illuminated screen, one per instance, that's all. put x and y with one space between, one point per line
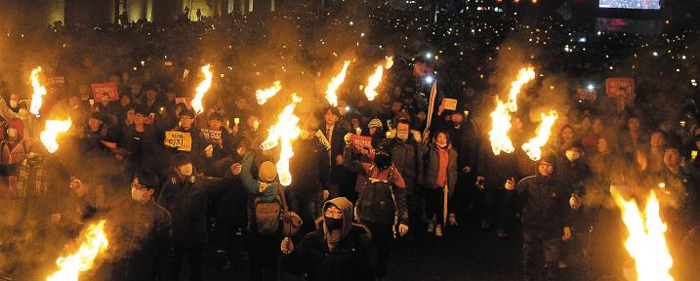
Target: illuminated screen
630 4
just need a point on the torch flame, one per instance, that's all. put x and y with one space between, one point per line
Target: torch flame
49 134
335 84
646 243
500 125
389 62
284 132
376 79
39 92
69 267
524 75
533 148
265 94
202 89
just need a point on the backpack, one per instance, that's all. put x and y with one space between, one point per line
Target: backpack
377 202
267 215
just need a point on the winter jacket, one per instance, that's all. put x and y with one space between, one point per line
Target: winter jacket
186 200
545 203
146 248
384 194
432 165
407 159
349 259
572 174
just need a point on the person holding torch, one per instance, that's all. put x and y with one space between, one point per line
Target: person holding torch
545 215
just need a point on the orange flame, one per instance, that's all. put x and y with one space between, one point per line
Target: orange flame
49 134
533 148
202 89
524 75
646 243
263 95
39 92
335 84
70 267
376 79
500 123
284 132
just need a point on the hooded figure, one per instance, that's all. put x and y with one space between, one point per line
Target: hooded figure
337 250
13 150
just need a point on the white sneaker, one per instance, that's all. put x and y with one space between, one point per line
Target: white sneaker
438 231
431 226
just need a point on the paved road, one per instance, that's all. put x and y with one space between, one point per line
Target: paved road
465 253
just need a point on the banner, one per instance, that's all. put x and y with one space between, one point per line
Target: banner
212 135
322 138
105 92
585 95
617 86
363 144
181 141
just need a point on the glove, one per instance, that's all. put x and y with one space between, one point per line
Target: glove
403 229
287 247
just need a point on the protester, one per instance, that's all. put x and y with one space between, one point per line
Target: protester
337 250
546 219
381 205
148 254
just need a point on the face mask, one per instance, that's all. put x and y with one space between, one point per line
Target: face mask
12 132
13 103
442 145
139 195
333 224
402 135
186 170
572 155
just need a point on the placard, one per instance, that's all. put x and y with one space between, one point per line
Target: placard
617 86
363 144
180 140
213 135
449 104
105 92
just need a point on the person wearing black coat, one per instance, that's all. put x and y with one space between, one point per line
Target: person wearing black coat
146 236
545 214
333 174
185 195
337 250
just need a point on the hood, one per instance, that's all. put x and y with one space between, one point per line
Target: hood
19 125
347 207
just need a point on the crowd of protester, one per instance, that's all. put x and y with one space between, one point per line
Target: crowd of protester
418 180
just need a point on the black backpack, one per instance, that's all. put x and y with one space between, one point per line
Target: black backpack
377 203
